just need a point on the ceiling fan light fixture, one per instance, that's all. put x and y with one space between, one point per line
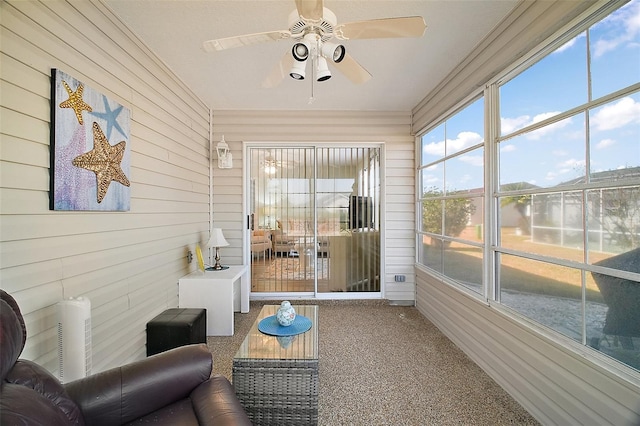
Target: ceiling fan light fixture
298 70
335 52
322 70
300 51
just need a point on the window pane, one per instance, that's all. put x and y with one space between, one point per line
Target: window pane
466 172
554 227
457 216
546 293
466 128
557 222
552 155
433 146
432 180
463 263
614 220
432 215
616 315
430 253
615 51
615 137
515 211
532 96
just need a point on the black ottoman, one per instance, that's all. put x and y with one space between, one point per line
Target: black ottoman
176 327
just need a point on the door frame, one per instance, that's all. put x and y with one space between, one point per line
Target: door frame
247 193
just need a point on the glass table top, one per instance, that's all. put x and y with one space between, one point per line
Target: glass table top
258 345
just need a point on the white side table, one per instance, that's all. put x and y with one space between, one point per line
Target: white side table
220 293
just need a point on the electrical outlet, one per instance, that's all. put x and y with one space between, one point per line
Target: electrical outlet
400 278
189 256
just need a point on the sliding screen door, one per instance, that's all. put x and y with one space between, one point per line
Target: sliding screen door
348 218
319 206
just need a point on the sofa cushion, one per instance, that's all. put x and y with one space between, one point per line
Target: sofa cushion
179 413
31 375
12 336
215 402
20 405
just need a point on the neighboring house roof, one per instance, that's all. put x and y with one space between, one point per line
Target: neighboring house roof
608 175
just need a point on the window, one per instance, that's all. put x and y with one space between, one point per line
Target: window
452 196
566 204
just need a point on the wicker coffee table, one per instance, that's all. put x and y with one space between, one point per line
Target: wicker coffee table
276 378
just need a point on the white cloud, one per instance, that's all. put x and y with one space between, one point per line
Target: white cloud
465 178
564 167
605 143
474 160
508 125
543 131
571 164
619 114
507 148
434 148
464 140
627 17
568 45
551 176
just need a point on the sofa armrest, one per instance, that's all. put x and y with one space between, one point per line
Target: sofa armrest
215 403
123 394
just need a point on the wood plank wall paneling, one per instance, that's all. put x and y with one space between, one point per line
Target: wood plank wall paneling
554 383
390 128
126 263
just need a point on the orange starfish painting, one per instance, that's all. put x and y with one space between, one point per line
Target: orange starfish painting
104 160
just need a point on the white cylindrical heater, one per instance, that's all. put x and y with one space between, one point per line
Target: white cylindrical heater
74 338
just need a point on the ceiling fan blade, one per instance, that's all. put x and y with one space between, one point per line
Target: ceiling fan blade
352 70
410 26
244 40
279 72
310 9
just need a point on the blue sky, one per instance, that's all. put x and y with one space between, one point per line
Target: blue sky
557 152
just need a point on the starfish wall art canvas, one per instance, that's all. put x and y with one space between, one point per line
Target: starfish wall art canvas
90 148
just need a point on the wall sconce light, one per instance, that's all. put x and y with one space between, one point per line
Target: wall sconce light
225 161
217 240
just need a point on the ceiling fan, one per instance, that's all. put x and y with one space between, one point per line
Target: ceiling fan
315 30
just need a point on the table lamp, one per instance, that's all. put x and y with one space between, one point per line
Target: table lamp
217 240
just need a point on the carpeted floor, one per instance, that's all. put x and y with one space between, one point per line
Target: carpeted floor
388 365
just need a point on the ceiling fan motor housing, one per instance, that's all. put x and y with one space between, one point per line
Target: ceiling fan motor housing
299 26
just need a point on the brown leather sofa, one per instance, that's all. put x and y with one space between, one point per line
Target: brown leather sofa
170 388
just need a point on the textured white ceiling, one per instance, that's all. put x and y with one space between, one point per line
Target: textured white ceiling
404 69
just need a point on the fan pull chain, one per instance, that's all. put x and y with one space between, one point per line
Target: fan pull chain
313 79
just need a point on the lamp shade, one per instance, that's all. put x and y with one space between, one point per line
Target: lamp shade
217 239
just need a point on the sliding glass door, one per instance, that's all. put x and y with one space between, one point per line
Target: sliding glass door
315 220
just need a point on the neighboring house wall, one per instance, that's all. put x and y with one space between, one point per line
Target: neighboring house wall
554 384
391 128
126 263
